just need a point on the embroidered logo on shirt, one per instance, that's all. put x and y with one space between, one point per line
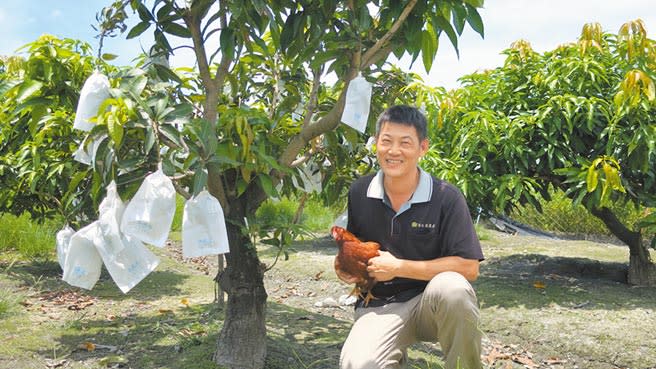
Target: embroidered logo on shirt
422 225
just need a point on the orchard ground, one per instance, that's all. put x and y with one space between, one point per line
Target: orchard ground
544 304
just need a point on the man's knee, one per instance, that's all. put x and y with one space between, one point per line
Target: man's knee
451 289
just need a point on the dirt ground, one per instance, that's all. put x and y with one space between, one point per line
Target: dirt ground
544 303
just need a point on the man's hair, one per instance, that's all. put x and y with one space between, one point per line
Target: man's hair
406 115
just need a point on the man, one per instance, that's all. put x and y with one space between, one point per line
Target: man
429 253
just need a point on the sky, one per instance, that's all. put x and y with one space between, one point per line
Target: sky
544 23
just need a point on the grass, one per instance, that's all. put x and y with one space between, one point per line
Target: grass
30 239
558 300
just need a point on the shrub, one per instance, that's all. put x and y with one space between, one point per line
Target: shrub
560 216
274 212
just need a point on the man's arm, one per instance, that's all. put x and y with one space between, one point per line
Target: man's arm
386 266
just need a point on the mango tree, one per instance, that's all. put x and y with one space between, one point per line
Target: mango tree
253 110
38 96
579 118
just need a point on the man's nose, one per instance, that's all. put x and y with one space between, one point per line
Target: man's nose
395 148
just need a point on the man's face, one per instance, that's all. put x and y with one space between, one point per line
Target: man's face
398 149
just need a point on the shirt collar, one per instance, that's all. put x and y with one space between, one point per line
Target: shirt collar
422 193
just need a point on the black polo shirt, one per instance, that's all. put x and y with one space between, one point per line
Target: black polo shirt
434 223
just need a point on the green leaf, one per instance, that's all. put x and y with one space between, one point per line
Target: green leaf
164 13
474 20
287 35
27 89
150 139
267 185
443 24
200 181
429 44
144 13
458 17
137 30
180 112
108 57
166 74
171 133
138 85
227 42
162 42
176 30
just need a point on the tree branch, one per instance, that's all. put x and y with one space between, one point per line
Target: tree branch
383 41
314 96
184 193
211 89
327 123
222 70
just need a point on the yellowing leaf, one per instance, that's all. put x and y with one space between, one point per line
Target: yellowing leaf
592 178
165 311
539 284
184 301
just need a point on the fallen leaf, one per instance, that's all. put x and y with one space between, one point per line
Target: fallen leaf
524 361
555 360
165 311
185 301
539 284
89 346
318 276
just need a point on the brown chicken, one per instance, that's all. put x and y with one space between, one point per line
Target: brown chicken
351 261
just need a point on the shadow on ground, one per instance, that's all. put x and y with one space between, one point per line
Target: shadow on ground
538 281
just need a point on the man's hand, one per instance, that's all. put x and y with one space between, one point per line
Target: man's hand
384 266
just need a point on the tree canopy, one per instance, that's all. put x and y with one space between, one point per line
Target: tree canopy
579 118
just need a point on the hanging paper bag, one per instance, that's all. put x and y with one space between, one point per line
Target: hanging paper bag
94 92
83 263
127 260
110 212
203 227
148 216
131 265
358 100
63 241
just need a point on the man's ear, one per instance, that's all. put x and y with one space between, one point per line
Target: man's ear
424 144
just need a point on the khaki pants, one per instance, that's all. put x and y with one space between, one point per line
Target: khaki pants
447 311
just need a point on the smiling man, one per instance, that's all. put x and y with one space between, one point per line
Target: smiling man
429 254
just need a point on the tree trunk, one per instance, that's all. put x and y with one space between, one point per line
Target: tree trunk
642 271
242 341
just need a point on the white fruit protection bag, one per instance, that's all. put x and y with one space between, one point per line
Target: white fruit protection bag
94 92
203 227
83 263
127 260
310 178
358 101
86 152
148 216
63 241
